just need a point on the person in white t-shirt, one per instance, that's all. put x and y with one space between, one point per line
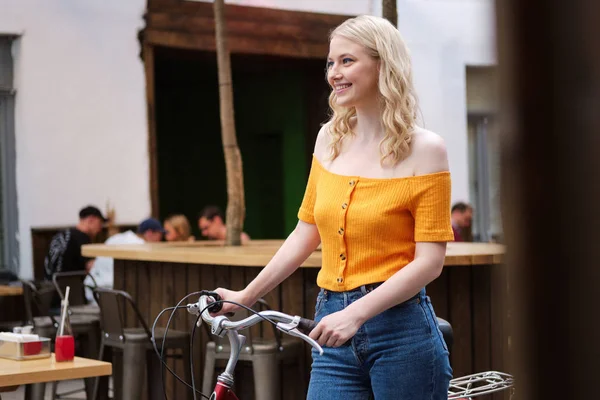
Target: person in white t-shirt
150 230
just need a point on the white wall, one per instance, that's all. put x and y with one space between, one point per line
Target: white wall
81 132
444 36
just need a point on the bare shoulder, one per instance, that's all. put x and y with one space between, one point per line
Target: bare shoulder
322 143
429 152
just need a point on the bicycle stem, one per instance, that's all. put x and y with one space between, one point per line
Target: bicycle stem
237 341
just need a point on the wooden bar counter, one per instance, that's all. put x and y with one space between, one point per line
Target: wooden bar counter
468 294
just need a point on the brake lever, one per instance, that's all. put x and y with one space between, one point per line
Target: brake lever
194 308
291 328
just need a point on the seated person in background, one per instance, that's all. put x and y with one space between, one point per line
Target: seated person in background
177 229
462 217
149 230
212 225
64 254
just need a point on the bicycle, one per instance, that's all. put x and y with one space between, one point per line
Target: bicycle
462 388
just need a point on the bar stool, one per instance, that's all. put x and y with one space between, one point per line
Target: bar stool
446 329
266 355
138 356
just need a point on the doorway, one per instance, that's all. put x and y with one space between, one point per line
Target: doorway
279 103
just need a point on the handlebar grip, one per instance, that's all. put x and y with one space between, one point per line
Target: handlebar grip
215 307
306 325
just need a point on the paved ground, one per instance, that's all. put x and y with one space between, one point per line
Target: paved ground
63 386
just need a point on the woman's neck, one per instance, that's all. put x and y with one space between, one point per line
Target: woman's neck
369 125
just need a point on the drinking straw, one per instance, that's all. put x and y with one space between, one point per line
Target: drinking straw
64 311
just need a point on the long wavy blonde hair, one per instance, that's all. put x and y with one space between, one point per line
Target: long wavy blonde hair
181 225
385 44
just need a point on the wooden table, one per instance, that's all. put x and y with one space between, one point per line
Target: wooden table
6 290
468 293
15 373
258 253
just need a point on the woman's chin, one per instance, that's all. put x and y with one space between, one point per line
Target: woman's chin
344 102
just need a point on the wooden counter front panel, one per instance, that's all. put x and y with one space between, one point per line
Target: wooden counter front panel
468 297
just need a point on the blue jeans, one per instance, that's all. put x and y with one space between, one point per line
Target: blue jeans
399 354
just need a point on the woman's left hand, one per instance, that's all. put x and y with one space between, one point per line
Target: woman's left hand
336 329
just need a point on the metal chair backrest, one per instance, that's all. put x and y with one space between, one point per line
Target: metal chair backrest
38 299
75 280
113 304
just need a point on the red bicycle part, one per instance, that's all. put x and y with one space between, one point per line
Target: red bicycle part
223 392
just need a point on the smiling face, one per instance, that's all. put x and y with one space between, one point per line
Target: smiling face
352 73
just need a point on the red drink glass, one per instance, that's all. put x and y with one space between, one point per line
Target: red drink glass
64 348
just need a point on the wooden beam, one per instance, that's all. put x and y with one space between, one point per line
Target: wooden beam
238 45
236 12
203 25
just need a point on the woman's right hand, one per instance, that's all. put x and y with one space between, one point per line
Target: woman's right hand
230 295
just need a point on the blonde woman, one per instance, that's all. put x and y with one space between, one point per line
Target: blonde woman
177 229
378 199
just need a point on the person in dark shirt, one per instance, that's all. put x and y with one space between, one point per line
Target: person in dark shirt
64 254
462 219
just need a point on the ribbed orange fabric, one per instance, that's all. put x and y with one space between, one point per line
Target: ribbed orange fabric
369 226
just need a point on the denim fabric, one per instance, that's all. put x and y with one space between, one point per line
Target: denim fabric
399 354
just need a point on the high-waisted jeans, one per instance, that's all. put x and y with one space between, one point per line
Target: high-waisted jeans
399 354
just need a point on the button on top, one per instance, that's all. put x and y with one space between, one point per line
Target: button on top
341 231
344 206
352 182
343 256
340 280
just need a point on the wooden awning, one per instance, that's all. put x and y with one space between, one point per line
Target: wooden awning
252 30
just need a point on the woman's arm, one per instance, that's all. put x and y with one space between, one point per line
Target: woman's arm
404 284
295 250
337 328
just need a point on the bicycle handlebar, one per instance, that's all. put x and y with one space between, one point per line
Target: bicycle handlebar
292 325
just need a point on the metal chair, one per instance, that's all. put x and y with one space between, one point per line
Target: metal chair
138 356
266 356
77 300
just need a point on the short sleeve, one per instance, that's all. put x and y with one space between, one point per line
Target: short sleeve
430 207
306 212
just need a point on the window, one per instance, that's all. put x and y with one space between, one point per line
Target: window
9 235
484 153
484 178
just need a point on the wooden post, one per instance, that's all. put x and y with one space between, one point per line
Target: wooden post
233 158
148 57
550 90
390 11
